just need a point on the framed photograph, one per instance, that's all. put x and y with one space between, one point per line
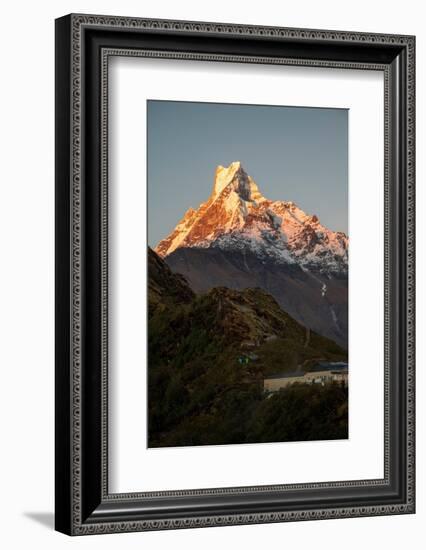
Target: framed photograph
234 274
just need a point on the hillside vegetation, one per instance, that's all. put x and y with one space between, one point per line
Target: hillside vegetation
208 355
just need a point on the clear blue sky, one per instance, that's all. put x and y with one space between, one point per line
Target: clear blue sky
295 154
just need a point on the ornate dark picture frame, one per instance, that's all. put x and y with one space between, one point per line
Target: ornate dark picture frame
84 44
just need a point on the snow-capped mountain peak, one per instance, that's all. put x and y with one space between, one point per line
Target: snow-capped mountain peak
223 177
235 177
238 217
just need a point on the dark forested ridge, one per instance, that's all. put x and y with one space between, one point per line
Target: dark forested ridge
208 355
296 290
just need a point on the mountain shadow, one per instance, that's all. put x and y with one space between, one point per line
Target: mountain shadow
315 299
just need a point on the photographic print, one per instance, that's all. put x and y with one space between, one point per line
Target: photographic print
248 251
